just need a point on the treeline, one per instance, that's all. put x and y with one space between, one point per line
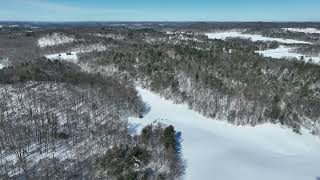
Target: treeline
309 50
158 157
281 33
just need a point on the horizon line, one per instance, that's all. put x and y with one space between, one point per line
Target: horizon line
158 21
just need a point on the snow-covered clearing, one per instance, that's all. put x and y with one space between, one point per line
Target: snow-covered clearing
54 39
4 63
237 34
72 56
13 26
303 30
112 36
287 52
217 149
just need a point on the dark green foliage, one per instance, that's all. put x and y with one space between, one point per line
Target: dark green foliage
146 133
168 137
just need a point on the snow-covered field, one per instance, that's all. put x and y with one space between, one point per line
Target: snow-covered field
4 63
217 150
54 39
237 34
287 52
303 30
72 56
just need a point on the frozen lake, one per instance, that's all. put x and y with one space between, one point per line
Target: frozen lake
288 52
237 34
281 52
217 150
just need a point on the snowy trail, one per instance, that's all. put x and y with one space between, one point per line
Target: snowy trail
217 150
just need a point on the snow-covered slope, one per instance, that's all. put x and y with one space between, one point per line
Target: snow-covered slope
217 150
303 30
286 52
54 39
236 34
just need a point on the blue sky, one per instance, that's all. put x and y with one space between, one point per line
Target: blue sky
160 10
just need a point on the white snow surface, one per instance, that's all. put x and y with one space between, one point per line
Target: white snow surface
73 57
287 52
13 26
112 36
54 39
237 34
4 63
217 150
303 30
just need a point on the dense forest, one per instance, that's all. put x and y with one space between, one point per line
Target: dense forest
60 123
223 79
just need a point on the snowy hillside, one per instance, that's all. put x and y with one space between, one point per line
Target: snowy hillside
216 149
54 39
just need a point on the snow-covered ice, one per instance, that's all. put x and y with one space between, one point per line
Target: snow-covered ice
287 52
54 39
303 30
237 34
217 150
